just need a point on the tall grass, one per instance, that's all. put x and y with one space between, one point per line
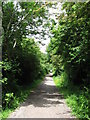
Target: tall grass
22 95
77 97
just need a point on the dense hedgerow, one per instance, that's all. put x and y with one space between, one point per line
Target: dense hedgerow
21 56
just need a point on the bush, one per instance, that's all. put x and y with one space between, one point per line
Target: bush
78 99
61 81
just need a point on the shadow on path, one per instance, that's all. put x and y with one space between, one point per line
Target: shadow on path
46 95
44 102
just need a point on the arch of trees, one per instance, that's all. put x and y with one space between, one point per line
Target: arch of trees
68 52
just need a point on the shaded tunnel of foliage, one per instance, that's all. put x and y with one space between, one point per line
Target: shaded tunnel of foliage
68 51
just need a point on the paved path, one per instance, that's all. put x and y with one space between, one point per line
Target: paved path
44 102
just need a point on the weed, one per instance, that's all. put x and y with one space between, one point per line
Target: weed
77 99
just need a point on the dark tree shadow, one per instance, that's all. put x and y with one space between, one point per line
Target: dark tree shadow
44 96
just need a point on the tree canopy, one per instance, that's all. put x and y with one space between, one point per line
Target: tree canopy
68 53
22 60
70 44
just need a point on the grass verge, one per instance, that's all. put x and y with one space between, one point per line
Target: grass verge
77 97
22 95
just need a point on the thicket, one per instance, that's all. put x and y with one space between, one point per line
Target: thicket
76 98
69 53
69 47
22 60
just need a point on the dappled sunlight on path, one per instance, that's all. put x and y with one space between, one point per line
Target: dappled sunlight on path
44 102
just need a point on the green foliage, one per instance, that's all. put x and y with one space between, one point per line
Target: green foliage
4 114
29 59
26 68
70 48
8 97
22 60
68 52
62 80
21 96
70 43
77 99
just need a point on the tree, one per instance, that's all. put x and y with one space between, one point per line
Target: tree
21 54
71 41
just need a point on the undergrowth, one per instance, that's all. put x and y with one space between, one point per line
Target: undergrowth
21 96
77 97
